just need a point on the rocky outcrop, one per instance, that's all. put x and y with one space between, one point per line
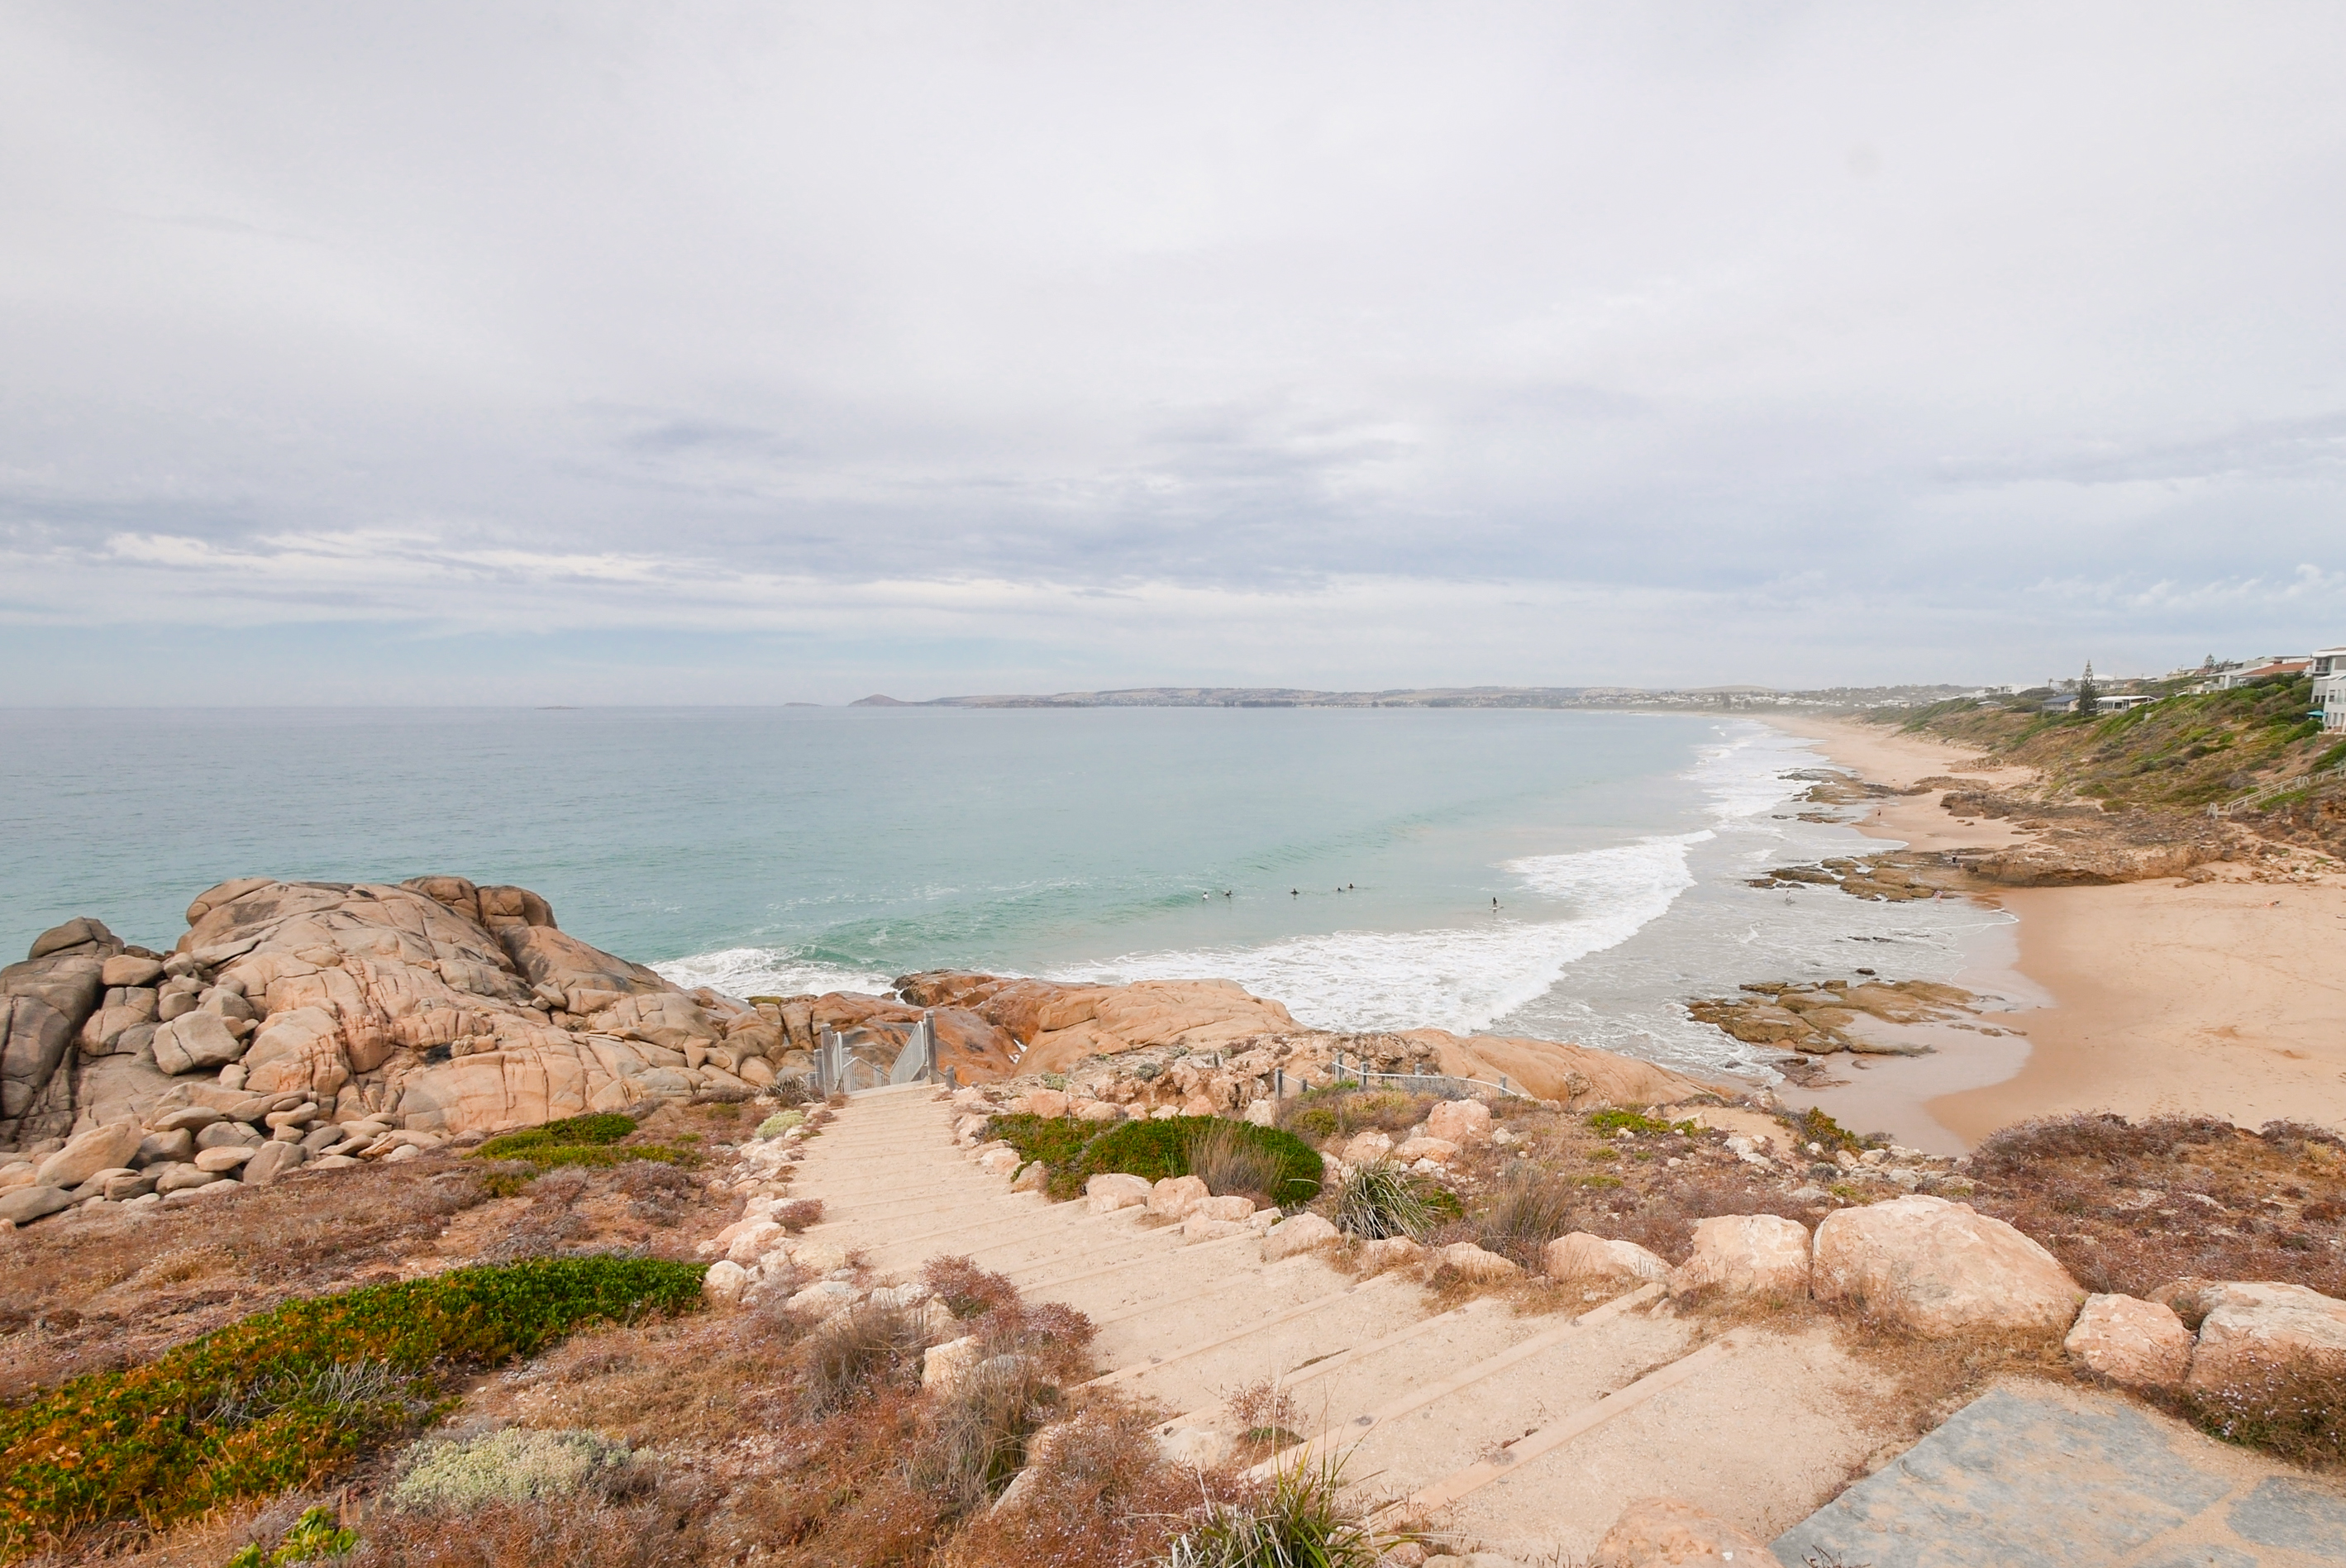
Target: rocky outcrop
437 1004
1055 1026
1818 1016
1936 1268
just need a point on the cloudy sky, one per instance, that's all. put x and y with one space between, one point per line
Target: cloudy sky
692 352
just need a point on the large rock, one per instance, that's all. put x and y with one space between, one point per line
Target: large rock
197 1041
1666 1532
2140 1344
1473 1262
1936 1268
1299 1233
43 1003
1107 1193
2254 1329
1580 1255
86 1154
271 1160
1746 1255
1461 1122
24 1205
1175 1197
126 1007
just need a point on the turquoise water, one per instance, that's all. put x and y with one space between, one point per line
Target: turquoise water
1343 862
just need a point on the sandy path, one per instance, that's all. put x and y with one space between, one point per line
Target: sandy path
2225 998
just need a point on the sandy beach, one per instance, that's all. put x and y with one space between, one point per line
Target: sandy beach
2223 997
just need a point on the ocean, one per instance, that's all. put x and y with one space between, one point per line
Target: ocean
1559 874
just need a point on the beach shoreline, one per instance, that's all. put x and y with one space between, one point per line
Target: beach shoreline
2224 995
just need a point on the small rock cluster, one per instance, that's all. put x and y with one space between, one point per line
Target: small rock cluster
224 1142
1815 1017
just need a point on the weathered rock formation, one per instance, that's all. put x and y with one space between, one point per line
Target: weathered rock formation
1816 1016
442 1005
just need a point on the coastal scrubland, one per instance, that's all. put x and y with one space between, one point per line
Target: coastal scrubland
2185 752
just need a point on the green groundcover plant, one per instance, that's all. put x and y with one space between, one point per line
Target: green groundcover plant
289 1395
580 1141
1075 1151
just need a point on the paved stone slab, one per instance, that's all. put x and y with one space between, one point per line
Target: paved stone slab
2067 1479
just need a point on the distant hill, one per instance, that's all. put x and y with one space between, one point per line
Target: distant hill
1543 696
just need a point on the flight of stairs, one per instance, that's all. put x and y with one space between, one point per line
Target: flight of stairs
1521 1434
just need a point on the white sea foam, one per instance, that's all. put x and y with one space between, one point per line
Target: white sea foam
1458 978
767 971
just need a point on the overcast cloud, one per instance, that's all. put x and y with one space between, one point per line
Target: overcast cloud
574 353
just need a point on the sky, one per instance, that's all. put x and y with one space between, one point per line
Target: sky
589 352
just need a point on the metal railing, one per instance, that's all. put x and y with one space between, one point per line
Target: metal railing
838 1070
2255 798
1448 1086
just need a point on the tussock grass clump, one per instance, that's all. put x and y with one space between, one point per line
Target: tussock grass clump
1228 1164
289 1395
1529 1209
781 1122
1380 1201
1298 1521
1288 1166
518 1464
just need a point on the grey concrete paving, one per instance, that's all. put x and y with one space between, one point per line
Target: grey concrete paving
2038 1475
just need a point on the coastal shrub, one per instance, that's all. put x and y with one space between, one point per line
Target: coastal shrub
1813 1126
518 1464
1097 1494
289 1395
1049 1335
2297 1411
1286 1167
1637 1122
315 1537
590 1141
1338 1112
1156 1149
781 1122
798 1214
1055 1141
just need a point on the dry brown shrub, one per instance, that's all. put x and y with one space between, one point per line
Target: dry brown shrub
966 1289
2129 1207
797 1215
576 1532
864 1350
2296 1409
1267 1418
1098 1496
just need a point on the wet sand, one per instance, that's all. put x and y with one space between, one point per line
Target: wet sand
2225 997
